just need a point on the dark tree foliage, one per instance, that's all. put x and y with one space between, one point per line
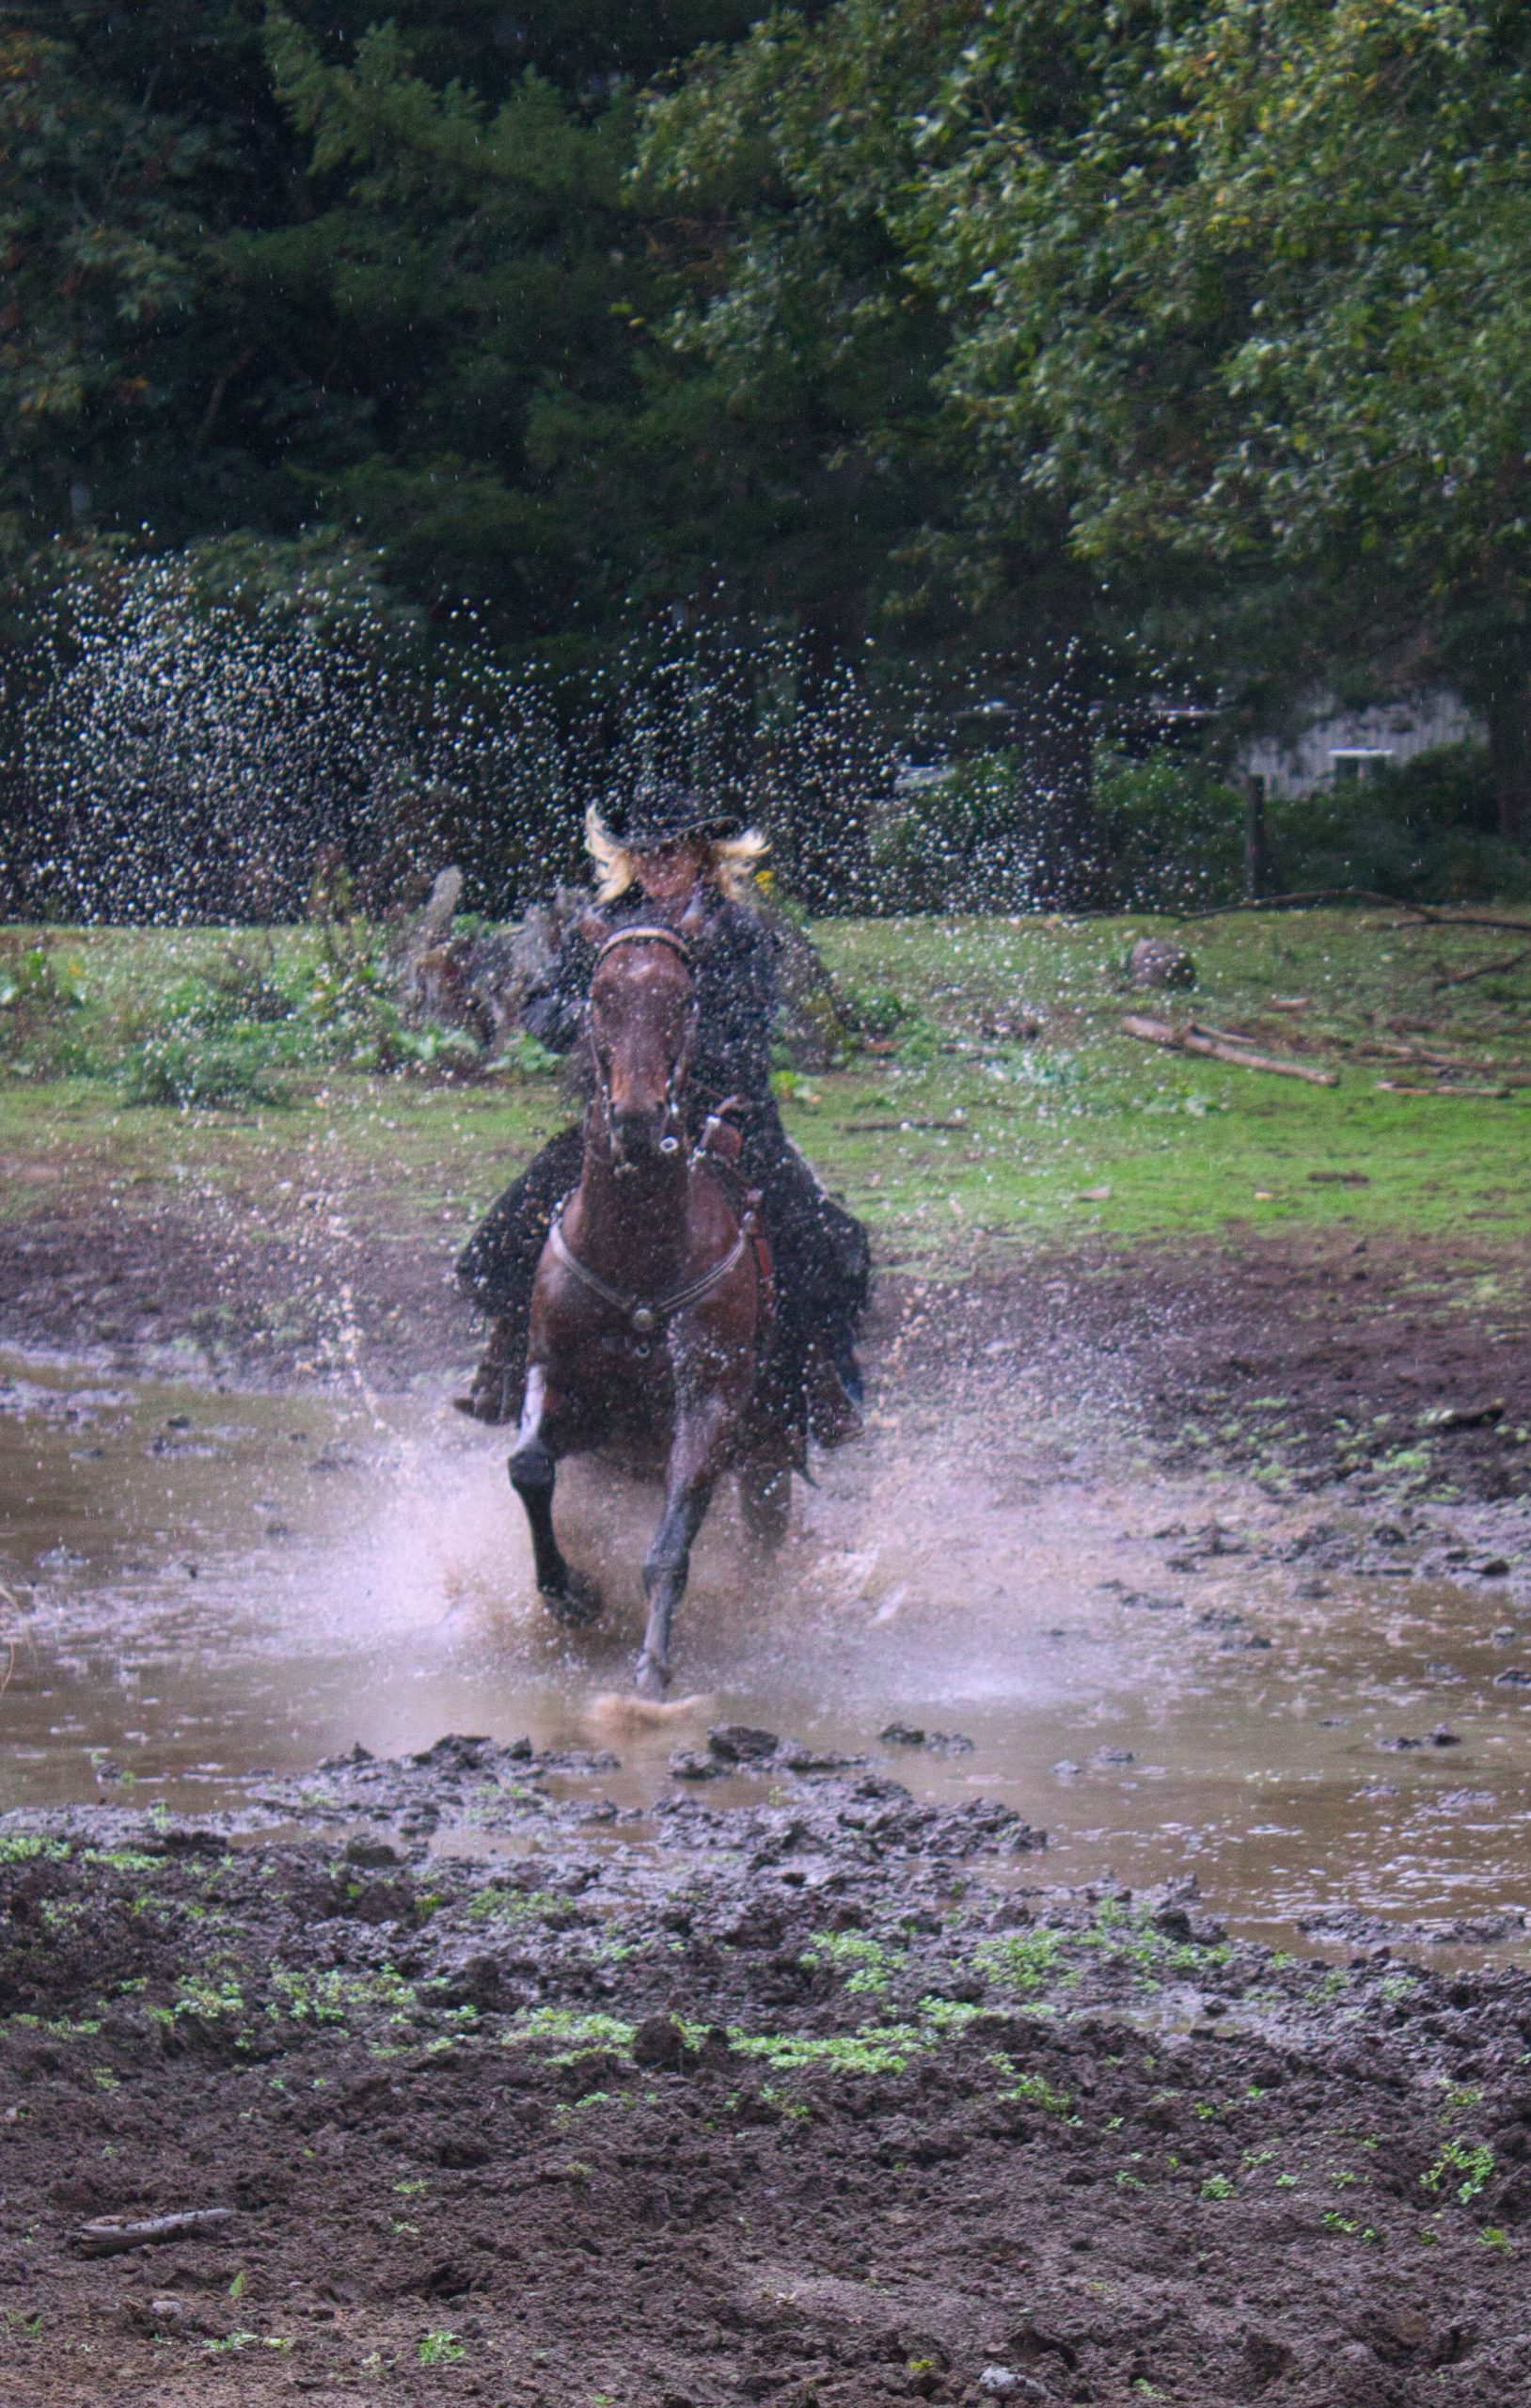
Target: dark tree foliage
278 268
1020 331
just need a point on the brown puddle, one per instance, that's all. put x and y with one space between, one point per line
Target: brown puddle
204 1583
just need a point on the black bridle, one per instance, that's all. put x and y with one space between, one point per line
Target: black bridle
676 1083
647 1315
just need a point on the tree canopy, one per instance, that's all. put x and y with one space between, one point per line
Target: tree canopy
1261 305
1007 327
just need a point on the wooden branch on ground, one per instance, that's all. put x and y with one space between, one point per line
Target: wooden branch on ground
1159 1032
902 1128
1485 969
1467 920
1380 1049
1225 1036
1393 1086
1307 900
109 2235
1420 914
1390 1049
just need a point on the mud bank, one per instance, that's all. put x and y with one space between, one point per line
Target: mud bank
1384 1361
1323 1359
827 2100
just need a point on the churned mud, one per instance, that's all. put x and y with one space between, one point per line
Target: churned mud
1376 1362
728 2064
819 2099
1316 1700
824 2097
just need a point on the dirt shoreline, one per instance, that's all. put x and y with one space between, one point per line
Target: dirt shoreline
826 2100
1322 1359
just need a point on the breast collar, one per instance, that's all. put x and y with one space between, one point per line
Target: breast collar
645 1314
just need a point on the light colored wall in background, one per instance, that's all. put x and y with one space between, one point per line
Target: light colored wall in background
1407 728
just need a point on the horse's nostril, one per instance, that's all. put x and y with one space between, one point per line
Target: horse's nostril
637 1133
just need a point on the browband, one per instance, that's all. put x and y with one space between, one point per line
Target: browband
645 936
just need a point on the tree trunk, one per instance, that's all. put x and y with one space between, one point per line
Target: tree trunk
1256 849
1510 751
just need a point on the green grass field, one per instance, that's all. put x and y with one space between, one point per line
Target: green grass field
965 1130
1185 1145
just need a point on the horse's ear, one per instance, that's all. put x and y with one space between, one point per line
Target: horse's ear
593 928
693 922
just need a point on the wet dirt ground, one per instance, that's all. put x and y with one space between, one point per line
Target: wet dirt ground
1327 1353
1319 1706
606 2061
455 2080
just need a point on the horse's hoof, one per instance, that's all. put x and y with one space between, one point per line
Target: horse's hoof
577 1603
651 1679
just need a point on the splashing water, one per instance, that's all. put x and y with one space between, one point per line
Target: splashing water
191 756
192 750
211 1583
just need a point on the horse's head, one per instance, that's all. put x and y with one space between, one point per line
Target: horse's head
640 1025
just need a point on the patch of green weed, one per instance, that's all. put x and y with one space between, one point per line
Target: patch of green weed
1030 2090
440 2350
24 1847
578 2033
1025 1962
1473 2160
866 1963
884 2047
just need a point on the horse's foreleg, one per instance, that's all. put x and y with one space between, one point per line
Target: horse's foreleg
696 1458
533 1469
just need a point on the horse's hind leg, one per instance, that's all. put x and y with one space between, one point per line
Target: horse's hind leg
690 1477
765 1501
533 1469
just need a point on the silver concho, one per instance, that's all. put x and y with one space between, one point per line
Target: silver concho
643 1320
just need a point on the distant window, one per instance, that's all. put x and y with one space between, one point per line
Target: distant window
1352 764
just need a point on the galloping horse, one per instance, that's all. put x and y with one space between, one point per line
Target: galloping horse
651 1305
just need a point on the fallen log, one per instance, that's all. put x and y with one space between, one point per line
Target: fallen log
1387 1049
1425 1057
1393 1086
1468 919
1224 1036
897 1128
1159 1032
1308 899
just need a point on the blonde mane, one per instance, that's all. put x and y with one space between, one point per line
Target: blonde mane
730 863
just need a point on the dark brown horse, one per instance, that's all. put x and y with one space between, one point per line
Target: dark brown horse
651 1304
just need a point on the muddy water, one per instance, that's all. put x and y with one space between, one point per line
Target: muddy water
1169 1677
